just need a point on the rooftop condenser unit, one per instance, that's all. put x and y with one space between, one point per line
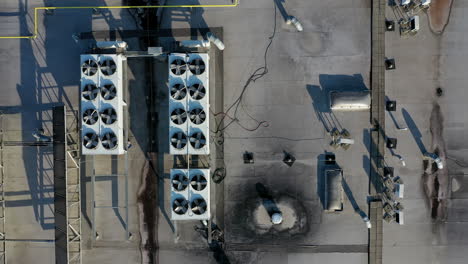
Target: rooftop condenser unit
102 104
189 104
190 194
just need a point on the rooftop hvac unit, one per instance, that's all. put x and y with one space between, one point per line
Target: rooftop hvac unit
102 104
190 194
189 104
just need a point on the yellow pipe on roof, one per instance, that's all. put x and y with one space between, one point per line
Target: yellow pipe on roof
234 4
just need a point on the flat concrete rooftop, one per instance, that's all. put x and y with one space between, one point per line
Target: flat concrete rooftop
332 53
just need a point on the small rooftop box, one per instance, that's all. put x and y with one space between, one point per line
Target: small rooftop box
333 190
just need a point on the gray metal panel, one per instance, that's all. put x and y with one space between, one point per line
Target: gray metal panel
333 190
60 185
347 101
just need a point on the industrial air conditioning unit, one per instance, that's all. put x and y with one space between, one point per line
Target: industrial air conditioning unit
102 104
190 194
189 104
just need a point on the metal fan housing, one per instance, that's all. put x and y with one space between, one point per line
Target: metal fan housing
197 91
90 116
179 140
197 66
108 67
89 67
109 116
178 116
197 140
90 92
197 116
198 206
109 140
178 67
180 206
90 140
180 182
108 91
198 182
178 91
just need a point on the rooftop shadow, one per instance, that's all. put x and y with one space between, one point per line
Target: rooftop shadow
414 130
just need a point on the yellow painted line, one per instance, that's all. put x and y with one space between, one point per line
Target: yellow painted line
234 4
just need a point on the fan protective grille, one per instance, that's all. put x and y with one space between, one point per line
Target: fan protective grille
178 67
197 91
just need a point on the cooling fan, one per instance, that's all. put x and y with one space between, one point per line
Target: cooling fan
178 91
178 67
90 116
90 92
179 140
197 140
197 66
198 182
109 116
90 140
109 140
108 91
197 116
180 206
180 182
198 206
178 116
197 91
108 67
89 67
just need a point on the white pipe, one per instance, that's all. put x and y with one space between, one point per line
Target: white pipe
111 44
195 43
293 20
211 37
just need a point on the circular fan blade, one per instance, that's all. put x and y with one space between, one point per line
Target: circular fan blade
179 182
197 116
108 91
179 140
178 116
108 67
178 92
90 140
90 92
197 91
197 66
197 140
90 116
109 116
198 182
89 67
199 206
178 67
180 206
109 140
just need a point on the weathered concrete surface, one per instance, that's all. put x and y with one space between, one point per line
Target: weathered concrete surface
424 63
439 15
